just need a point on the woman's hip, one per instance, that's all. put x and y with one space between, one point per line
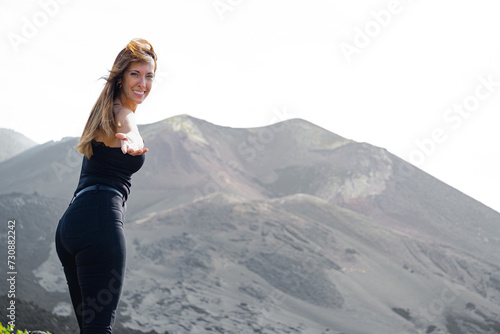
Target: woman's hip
92 220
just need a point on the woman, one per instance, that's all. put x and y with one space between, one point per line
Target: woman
89 237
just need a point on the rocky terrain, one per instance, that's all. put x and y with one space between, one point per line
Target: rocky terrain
281 229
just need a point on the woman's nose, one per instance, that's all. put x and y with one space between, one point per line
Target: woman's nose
142 82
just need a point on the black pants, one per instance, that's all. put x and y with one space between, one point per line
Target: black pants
91 246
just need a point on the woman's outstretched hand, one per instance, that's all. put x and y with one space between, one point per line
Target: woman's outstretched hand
130 146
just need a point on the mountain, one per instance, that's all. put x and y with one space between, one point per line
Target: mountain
287 228
13 143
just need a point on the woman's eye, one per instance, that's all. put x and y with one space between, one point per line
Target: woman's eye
134 74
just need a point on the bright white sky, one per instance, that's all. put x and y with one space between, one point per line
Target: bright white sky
392 73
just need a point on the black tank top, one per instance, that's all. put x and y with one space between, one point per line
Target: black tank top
110 167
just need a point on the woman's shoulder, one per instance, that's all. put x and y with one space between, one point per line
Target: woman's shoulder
120 110
124 117
104 141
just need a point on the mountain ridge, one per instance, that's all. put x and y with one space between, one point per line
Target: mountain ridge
283 228
13 143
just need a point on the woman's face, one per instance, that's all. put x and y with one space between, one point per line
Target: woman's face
136 83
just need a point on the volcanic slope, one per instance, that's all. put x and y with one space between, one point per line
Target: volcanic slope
284 228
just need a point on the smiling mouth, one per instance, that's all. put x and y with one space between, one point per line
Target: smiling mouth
139 93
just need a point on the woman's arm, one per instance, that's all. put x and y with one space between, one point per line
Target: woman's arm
128 132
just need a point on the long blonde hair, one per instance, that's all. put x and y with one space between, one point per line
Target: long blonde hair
101 117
